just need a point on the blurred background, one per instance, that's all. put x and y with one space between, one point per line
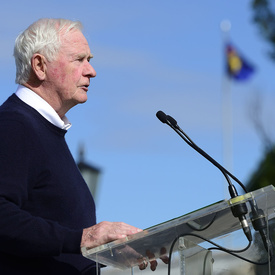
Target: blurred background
169 56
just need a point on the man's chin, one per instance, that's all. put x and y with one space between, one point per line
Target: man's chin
82 98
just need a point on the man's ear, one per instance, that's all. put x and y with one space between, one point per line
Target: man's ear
39 66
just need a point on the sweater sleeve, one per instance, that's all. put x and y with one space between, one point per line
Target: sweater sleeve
22 233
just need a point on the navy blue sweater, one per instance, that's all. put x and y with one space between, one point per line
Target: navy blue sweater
44 201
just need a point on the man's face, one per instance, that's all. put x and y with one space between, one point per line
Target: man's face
69 75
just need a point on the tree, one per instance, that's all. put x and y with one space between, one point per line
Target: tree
264 17
265 173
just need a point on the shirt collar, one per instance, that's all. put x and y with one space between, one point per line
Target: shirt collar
43 107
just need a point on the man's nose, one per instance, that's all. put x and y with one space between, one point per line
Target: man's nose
90 71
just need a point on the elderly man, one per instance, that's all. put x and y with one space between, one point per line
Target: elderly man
46 210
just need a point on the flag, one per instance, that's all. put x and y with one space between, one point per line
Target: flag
237 67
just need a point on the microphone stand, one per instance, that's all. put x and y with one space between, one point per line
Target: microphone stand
239 210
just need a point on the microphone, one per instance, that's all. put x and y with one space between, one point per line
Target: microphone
162 116
239 210
257 216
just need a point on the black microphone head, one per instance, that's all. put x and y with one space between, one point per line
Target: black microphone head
172 121
161 116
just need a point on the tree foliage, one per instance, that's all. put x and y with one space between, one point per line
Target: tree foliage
265 173
264 17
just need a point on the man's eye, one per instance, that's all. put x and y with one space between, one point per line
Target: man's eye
81 59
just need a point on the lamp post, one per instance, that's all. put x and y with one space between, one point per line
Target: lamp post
90 173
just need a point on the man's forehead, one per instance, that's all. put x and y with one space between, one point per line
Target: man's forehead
75 44
74 38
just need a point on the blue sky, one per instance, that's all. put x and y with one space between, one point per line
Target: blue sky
150 56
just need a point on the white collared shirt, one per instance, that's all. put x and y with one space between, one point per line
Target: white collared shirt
43 107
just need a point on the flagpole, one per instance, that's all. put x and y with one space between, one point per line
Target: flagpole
227 120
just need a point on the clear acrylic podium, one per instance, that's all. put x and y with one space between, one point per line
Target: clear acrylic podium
188 236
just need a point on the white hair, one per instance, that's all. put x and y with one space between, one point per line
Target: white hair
43 37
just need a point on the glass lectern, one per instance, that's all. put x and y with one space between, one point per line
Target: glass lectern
207 241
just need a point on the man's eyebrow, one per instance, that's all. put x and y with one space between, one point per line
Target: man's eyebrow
83 55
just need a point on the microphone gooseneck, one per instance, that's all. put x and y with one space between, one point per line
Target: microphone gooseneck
257 216
238 210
